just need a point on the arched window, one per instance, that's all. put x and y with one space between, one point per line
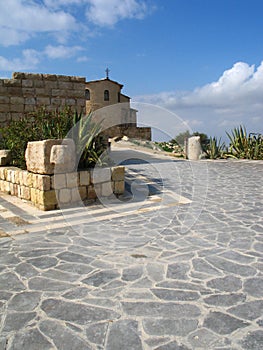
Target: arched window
106 95
87 94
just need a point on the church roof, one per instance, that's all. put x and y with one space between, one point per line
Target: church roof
105 79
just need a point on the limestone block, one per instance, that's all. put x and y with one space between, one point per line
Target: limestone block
41 159
58 181
47 198
25 193
2 173
1 185
63 156
83 192
194 149
100 175
75 196
11 175
72 180
16 100
27 83
118 173
12 192
64 196
17 176
84 178
119 187
106 189
29 179
5 157
43 182
91 192
7 187
34 195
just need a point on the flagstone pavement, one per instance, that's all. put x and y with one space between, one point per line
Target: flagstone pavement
177 264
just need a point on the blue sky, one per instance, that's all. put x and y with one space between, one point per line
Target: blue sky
200 59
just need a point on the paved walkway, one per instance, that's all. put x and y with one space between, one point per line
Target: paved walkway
175 264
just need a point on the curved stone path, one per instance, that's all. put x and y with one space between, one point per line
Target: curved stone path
166 276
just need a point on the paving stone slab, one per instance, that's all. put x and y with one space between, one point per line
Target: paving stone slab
222 323
253 341
154 309
123 334
62 337
81 314
178 327
248 311
31 339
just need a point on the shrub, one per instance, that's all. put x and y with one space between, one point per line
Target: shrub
43 125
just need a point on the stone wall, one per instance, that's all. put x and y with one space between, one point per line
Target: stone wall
49 192
26 92
133 132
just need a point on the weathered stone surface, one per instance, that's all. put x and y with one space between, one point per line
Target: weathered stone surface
173 346
175 295
222 323
248 311
175 327
77 313
63 337
74 258
124 334
178 271
31 340
228 266
63 156
132 273
96 333
39 160
25 301
77 293
225 299
194 149
202 339
201 265
101 278
10 282
43 262
253 341
154 309
26 270
226 284
47 284
81 269
17 320
254 287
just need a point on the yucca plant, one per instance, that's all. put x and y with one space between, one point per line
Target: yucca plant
244 146
215 148
89 145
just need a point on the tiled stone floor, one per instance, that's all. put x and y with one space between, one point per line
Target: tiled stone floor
164 273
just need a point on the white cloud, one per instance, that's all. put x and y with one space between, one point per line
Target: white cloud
107 13
235 98
29 60
21 19
61 51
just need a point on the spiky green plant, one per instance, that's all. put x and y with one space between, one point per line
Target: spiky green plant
215 148
245 146
89 144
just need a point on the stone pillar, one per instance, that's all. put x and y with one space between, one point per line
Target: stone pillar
194 149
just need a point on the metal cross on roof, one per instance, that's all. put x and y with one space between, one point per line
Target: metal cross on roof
107 73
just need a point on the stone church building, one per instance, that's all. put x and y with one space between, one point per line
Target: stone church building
26 92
